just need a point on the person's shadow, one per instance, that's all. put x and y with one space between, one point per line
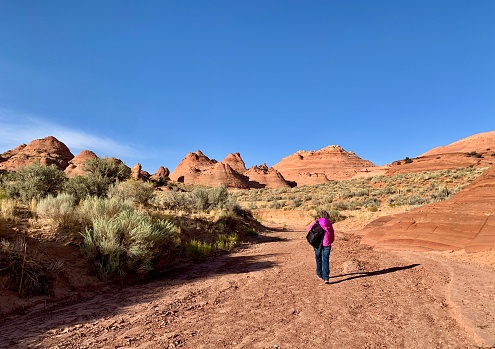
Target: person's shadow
370 273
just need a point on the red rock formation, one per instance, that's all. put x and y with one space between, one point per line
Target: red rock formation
138 174
452 156
215 175
481 143
235 161
191 164
466 221
161 175
76 165
47 151
330 163
265 177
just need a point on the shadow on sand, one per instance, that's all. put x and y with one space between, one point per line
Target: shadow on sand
351 276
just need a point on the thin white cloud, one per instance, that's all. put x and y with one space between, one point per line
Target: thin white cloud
18 128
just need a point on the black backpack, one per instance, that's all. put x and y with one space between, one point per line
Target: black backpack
315 235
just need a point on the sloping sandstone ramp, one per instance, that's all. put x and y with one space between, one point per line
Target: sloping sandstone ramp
466 221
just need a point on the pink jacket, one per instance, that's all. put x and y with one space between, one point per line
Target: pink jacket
326 224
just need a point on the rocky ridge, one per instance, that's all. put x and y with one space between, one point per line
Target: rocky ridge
319 166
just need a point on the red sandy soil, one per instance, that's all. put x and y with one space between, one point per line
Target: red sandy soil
268 296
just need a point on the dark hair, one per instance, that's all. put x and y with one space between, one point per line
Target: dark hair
323 214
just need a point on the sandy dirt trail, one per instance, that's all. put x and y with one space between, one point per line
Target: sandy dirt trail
268 296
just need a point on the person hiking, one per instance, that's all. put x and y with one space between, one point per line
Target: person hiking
322 253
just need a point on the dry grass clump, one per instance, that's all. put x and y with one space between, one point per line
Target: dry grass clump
7 209
19 273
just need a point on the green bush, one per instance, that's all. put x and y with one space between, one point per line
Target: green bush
226 242
199 200
197 250
100 174
61 209
128 243
110 168
83 186
33 182
93 207
131 190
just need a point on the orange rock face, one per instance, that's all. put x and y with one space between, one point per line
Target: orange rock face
481 142
47 151
197 168
474 151
265 177
161 175
312 167
235 162
190 167
76 165
466 221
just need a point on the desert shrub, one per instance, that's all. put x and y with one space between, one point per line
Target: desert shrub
175 201
110 168
296 202
131 190
199 200
219 198
226 242
20 273
101 173
475 154
61 209
370 202
341 205
440 194
408 160
277 205
335 216
84 186
198 250
251 232
94 207
128 243
33 181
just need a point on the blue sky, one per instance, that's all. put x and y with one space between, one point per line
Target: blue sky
150 81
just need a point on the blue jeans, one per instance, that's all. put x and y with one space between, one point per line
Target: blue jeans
322 255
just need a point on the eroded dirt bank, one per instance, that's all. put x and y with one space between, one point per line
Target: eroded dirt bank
268 296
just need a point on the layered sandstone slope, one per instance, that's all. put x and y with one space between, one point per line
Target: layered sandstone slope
190 166
481 143
474 151
265 177
47 151
329 163
218 174
466 221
